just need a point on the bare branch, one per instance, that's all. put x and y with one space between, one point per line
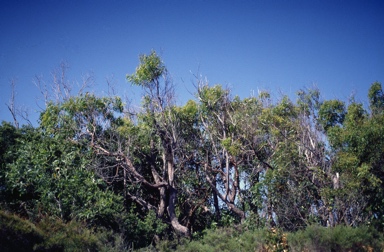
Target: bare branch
111 82
88 80
42 86
60 86
11 105
24 114
66 86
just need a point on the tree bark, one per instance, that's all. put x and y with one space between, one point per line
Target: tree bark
230 205
173 193
162 191
171 212
216 202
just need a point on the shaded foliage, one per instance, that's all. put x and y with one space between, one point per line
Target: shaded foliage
166 171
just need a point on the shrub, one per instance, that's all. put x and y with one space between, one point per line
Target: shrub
17 234
227 239
67 236
339 238
51 234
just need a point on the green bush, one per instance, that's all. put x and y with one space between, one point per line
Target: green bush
339 238
227 239
17 234
51 234
313 238
67 236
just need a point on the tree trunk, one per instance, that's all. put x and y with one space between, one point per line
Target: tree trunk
216 202
162 191
173 194
171 212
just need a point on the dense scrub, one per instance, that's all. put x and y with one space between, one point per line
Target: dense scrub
218 173
51 234
313 238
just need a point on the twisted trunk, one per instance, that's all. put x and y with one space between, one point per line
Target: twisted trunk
173 195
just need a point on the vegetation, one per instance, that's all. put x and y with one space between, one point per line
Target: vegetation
220 173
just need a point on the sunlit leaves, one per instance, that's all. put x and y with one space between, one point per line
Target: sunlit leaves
233 147
213 98
357 140
376 98
291 163
331 113
309 101
79 114
150 69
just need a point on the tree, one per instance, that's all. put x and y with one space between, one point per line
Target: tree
290 189
376 98
331 114
42 179
9 144
158 101
356 144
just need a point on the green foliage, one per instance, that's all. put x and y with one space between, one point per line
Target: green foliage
284 110
331 113
309 101
233 147
188 113
376 98
355 115
8 142
43 178
357 145
67 237
212 98
142 231
81 113
340 238
17 234
313 238
91 175
149 70
51 234
215 240
234 239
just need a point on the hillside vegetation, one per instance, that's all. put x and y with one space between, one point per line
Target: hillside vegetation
220 173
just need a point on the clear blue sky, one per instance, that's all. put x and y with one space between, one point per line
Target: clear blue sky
245 45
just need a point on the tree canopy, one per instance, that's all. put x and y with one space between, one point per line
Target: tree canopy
169 171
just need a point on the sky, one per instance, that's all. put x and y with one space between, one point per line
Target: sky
280 46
